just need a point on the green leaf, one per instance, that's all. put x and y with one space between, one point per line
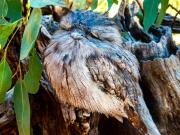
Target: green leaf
14 9
150 12
139 14
5 31
4 8
43 3
94 4
30 33
22 108
110 3
5 78
162 13
115 1
33 76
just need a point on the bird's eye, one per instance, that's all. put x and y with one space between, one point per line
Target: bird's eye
66 22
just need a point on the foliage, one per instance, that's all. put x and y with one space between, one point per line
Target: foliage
94 4
14 9
11 19
102 6
5 77
6 29
22 108
31 78
3 10
30 33
43 3
164 6
150 12
151 15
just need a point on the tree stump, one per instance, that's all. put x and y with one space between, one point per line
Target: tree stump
161 84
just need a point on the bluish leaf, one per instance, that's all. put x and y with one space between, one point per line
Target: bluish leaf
3 8
30 33
5 78
150 12
43 3
22 108
33 76
94 4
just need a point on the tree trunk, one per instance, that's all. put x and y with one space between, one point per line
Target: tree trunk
160 83
161 86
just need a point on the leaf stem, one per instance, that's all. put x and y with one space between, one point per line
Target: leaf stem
11 40
17 69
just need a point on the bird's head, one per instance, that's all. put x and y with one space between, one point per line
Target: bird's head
66 21
91 23
84 19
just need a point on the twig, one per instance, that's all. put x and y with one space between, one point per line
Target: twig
140 5
172 7
175 19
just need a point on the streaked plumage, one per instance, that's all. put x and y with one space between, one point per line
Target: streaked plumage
88 67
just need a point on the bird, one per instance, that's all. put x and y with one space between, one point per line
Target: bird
88 67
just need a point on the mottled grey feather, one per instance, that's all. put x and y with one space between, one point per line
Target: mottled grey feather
89 69
83 72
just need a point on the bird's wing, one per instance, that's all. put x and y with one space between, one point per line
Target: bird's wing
116 72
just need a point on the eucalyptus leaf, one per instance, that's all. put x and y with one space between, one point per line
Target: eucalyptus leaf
4 8
150 12
5 31
30 33
43 3
162 13
22 108
115 1
94 4
5 78
33 76
14 9
110 3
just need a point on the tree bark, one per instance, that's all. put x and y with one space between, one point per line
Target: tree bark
161 84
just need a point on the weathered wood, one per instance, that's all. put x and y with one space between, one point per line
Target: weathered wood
7 116
159 49
155 44
169 21
161 82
